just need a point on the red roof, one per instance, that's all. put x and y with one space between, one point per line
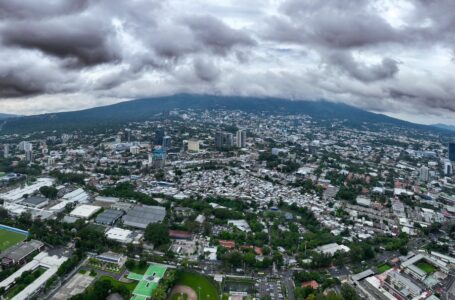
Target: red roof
179 234
227 244
313 284
257 250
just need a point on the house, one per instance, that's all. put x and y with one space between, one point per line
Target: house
313 284
228 244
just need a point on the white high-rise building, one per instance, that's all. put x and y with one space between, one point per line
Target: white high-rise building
6 151
241 138
424 174
25 146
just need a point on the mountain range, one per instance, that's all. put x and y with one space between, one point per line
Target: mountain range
147 108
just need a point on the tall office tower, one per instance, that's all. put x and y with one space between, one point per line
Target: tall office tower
424 174
159 137
128 135
25 146
6 151
158 158
452 151
241 138
224 140
448 167
166 142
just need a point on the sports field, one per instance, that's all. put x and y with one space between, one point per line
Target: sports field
426 267
9 238
203 286
147 282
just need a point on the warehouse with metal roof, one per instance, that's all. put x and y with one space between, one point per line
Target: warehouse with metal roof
109 217
141 216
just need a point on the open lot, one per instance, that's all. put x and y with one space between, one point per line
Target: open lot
75 286
9 238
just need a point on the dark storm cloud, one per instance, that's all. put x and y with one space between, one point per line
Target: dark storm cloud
22 75
216 35
344 50
87 34
344 61
32 9
80 40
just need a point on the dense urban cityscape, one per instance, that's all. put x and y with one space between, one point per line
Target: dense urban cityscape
228 204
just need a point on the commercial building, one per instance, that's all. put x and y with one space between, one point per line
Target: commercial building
120 235
158 158
167 142
109 217
85 211
159 137
142 215
112 257
19 253
78 195
18 193
448 170
193 145
36 202
452 151
332 248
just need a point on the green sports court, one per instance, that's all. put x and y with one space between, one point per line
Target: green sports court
147 282
10 238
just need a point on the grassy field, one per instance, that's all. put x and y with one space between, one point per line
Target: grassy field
426 267
9 238
195 281
179 297
384 267
116 283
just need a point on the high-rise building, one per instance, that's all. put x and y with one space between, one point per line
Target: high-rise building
241 138
452 151
158 158
224 140
167 142
29 155
424 174
6 151
159 136
448 167
128 135
25 146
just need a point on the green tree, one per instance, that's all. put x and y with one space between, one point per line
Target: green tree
158 234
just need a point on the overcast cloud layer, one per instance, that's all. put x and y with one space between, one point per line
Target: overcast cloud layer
392 56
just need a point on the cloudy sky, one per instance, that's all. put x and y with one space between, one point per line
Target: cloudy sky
390 56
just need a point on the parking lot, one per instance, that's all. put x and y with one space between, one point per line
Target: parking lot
271 288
